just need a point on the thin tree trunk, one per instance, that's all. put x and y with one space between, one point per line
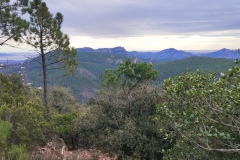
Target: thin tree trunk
44 70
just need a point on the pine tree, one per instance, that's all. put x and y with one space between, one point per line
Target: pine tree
45 35
11 23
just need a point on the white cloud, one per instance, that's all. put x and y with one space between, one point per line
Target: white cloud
148 43
141 17
151 24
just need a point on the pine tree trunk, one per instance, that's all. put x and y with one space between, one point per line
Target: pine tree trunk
44 69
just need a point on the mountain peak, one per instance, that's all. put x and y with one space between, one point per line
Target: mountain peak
85 49
118 49
171 49
112 50
224 53
224 49
172 53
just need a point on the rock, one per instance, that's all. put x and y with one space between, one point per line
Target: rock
57 150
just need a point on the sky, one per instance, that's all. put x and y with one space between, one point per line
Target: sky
150 25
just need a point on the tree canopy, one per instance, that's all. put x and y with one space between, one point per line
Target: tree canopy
201 112
11 23
129 75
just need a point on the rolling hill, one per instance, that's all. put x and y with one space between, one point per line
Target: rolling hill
84 83
191 64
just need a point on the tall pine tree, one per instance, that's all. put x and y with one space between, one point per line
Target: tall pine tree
45 35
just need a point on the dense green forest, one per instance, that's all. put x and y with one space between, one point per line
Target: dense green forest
191 116
205 64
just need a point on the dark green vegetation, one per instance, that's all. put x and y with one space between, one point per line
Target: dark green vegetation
201 113
41 31
121 117
191 116
25 123
11 23
205 64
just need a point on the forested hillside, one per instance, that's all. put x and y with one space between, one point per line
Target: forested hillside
129 118
85 81
205 64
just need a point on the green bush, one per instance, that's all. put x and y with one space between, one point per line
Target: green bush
202 113
121 121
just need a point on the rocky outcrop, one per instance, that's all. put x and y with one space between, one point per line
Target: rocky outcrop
115 50
57 150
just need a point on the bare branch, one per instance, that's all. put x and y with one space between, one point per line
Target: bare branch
54 62
209 148
50 69
2 43
34 59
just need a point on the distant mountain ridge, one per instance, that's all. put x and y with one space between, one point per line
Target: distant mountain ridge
174 54
223 53
5 54
117 50
166 54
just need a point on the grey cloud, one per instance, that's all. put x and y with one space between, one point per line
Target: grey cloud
141 17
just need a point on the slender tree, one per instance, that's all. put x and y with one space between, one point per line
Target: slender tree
45 35
11 23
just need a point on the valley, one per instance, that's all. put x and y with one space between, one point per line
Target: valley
85 82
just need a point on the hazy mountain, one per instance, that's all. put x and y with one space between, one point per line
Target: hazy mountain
163 55
84 83
115 50
223 53
172 53
85 49
166 54
6 54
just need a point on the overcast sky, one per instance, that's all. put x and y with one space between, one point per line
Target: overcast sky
151 24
